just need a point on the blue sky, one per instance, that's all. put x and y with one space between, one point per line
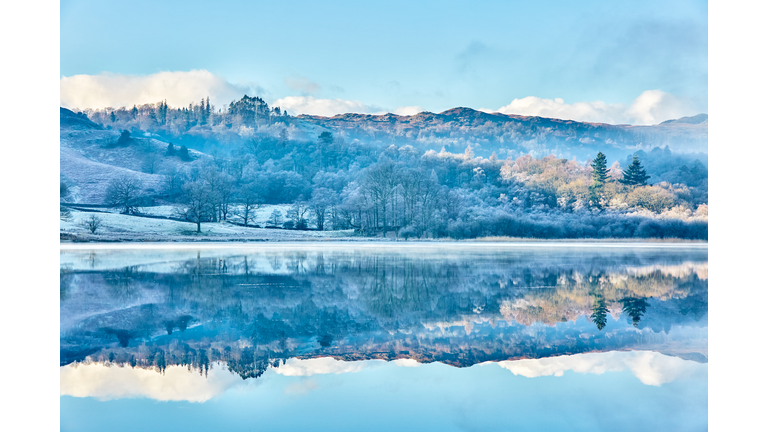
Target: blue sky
385 56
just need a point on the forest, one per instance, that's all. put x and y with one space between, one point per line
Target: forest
336 183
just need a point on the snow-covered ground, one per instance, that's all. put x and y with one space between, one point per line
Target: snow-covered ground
118 227
261 214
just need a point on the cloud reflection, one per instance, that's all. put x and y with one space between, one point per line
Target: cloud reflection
113 382
649 367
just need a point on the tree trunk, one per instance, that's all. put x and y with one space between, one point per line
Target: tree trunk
198 226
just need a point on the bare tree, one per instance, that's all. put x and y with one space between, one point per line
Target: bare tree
124 192
151 163
298 213
249 199
323 199
173 180
92 224
276 218
199 204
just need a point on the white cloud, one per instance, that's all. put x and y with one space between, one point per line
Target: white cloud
649 367
408 110
178 383
651 107
317 366
406 363
177 88
325 107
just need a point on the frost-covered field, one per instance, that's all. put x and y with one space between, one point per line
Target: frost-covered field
261 214
118 227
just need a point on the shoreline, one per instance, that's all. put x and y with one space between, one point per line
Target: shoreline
373 243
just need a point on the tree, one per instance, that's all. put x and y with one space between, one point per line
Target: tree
634 308
635 174
599 170
599 312
112 117
125 138
199 203
150 164
298 212
124 192
322 200
250 199
183 154
171 150
173 181
276 218
92 224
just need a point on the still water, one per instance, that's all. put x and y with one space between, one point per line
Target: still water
441 336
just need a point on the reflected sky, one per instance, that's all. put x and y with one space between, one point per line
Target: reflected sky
588 392
435 337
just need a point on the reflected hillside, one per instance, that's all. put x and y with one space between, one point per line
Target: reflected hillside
253 309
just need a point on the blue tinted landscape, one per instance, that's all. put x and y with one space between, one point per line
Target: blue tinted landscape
429 336
361 216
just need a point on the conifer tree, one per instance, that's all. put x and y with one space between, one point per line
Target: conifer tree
134 112
112 116
599 312
184 154
599 170
171 150
635 174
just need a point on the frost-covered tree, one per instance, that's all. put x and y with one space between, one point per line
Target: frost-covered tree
124 192
92 224
249 200
199 204
276 218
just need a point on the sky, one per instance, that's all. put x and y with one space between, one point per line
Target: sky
619 62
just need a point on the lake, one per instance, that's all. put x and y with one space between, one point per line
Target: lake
384 336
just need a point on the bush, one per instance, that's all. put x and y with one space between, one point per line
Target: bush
652 198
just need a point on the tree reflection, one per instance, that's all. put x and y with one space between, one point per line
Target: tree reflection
459 311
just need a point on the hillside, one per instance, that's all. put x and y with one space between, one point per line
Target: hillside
514 135
90 158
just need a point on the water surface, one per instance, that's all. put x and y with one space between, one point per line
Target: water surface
334 336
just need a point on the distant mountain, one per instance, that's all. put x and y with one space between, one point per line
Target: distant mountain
514 135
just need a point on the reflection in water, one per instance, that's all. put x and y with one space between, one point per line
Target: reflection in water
257 309
178 383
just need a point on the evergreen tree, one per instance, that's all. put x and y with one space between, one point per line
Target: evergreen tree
171 150
634 308
134 112
184 154
635 174
112 116
599 312
599 170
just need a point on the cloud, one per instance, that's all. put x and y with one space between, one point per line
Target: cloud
302 84
649 367
177 384
318 366
651 107
408 110
177 88
325 107
406 363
